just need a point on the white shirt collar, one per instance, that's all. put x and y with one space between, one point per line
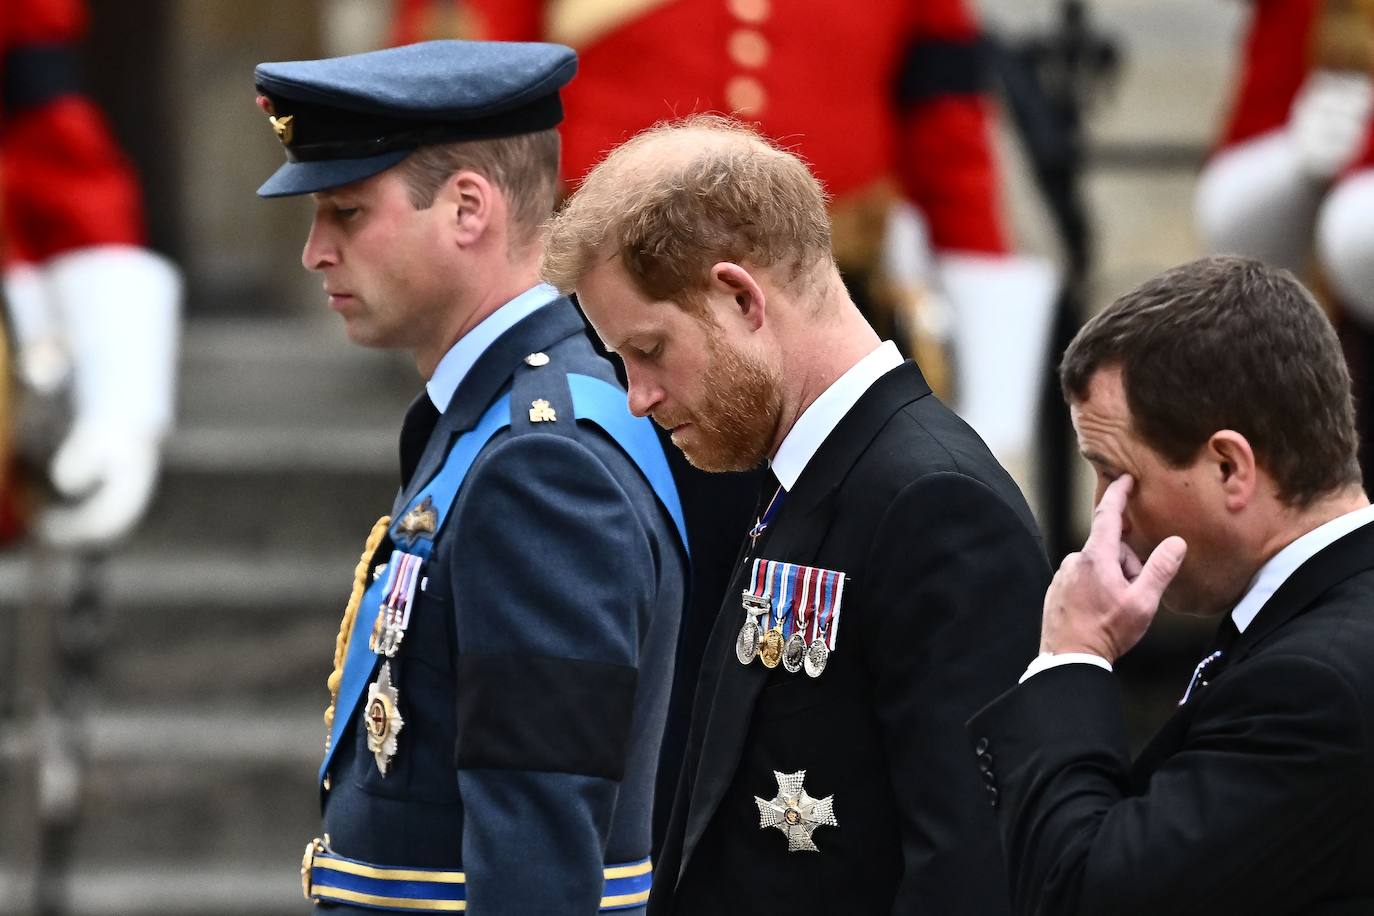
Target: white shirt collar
1284 563
825 413
463 355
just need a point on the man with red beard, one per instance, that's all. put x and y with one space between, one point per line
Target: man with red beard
890 582
888 101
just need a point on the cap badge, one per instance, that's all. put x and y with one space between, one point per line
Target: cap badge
282 127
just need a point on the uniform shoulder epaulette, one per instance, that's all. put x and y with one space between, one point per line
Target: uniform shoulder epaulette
542 395
540 400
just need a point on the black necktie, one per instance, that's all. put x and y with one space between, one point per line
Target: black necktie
1227 634
415 433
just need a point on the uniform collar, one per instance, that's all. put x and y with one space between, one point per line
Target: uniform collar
820 419
461 357
1283 564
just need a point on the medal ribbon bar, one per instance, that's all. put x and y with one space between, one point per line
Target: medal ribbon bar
790 599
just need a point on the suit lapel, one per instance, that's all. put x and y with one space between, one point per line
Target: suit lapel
1342 559
796 535
1330 566
1161 747
489 376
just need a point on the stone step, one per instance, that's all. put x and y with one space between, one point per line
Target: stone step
260 493
218 629
286 438
202 723
287 374
174 785
171 889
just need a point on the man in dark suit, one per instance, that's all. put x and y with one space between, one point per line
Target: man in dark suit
883 592
502 673
1214 404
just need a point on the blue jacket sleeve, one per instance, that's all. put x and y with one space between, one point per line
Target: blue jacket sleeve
553 579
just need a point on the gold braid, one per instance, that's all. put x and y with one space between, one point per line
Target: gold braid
350 614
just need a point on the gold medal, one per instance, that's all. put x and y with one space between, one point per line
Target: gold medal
771 650
383 719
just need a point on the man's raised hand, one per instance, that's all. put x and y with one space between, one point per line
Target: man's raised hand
1103 598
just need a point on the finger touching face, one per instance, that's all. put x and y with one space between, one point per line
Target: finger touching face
1107 517
1143 499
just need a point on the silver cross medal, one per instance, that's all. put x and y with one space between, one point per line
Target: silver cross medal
795 813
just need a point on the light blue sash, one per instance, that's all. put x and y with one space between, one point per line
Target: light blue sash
593 400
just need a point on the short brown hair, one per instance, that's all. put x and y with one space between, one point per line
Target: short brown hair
1229 343
525 167
682 196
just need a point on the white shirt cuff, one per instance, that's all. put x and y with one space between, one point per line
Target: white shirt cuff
1047 660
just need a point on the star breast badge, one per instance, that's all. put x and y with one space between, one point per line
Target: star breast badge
383 719
795 813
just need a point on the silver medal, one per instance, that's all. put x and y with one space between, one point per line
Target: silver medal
817 654
750 638
747 643
794 652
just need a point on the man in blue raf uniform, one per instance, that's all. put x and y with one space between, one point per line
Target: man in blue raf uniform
503 667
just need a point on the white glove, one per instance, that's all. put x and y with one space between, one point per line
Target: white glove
907 256
1260 197
41 362
1345 244
1256 199
1329 120
120 308
1003 310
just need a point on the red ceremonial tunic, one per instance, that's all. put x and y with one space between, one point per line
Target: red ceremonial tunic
870 93
65 183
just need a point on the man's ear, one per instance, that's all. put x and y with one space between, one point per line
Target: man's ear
1233 463
729 279
470 202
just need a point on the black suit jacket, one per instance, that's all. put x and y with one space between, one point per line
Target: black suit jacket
1257 797
947 571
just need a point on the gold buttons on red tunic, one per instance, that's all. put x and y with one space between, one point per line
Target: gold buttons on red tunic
748 48
751 11
745 96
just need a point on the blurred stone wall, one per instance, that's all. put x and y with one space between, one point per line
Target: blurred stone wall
176 79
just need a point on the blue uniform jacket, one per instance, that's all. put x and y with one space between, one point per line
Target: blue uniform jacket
534 677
